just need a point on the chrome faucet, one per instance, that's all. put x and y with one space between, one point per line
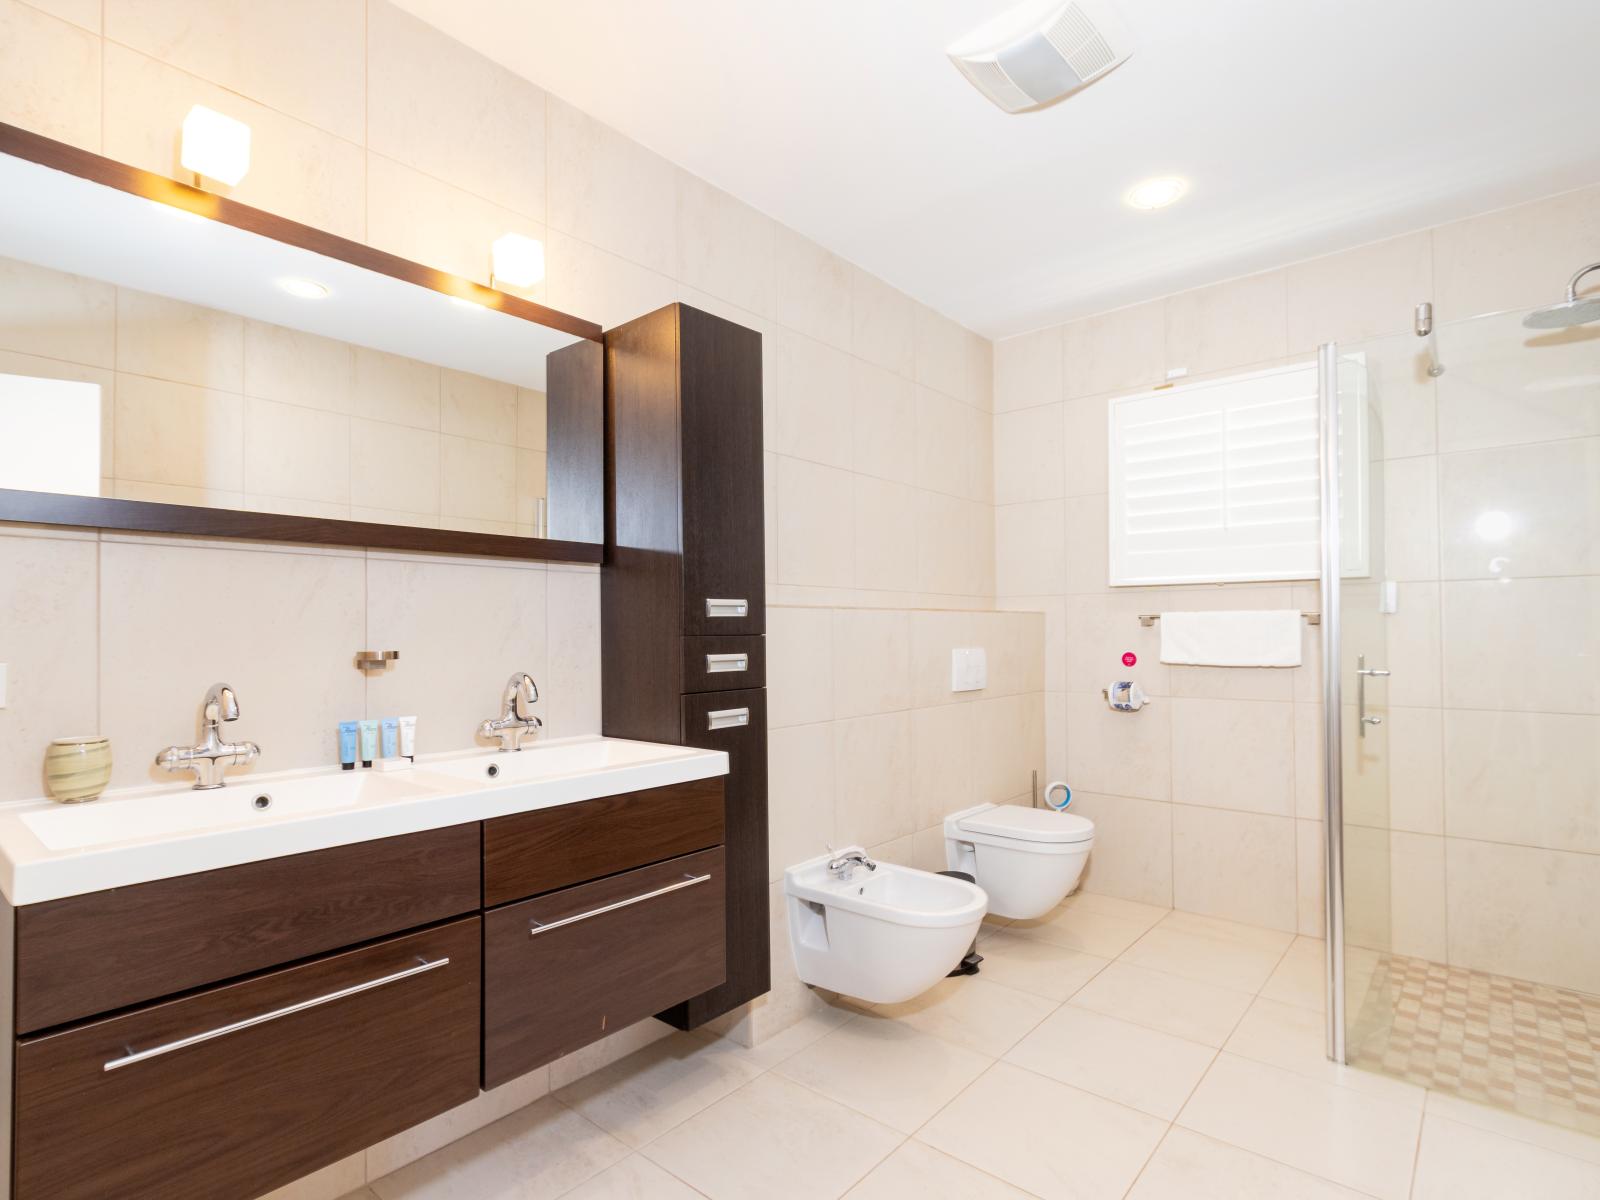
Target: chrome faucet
211 759
516 718
843 868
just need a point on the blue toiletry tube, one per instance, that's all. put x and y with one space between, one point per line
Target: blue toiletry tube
391 737
347 745
369 742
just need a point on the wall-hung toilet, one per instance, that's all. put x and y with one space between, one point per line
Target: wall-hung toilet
1027 859
880 932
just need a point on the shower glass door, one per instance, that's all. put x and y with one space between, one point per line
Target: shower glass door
1467 807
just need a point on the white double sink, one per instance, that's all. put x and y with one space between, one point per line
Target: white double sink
134 835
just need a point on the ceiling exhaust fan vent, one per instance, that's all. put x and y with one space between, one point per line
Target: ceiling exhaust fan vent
1040 52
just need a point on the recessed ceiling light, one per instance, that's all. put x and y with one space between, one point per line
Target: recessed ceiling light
1156 193
306 289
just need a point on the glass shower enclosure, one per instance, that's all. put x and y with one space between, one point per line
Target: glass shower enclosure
1461 689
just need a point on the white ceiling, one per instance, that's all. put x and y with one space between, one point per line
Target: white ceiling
1303 125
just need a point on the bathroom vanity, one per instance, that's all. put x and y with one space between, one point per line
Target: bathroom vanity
215 993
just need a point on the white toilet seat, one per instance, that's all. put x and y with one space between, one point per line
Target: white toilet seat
1027 859
1014 822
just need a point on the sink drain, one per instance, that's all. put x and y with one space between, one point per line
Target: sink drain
262 801
494 770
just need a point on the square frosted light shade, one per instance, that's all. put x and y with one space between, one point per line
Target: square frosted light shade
518 260
215 146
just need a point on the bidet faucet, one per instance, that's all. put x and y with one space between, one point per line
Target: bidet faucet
843 868
515 719
211 759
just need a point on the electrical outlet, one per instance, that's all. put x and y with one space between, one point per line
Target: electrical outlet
969 670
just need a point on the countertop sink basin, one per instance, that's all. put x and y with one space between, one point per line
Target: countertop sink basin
134 835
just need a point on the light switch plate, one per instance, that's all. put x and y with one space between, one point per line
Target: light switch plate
969 670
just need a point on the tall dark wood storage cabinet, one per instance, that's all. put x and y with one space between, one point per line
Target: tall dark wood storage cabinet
683 612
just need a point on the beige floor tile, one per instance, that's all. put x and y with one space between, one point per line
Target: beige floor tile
337 1180
972 1012
1190 1167
1458 1162
776 1140
1266 940
1332 1132
1033 965
1515 1126
1142 1068
1045 1137
887 1070
540 1151
1115 906
638 1098
918 1172
1217 961
1083 929
1295 1039
1200 1012
634 1178
1299 977
770 1051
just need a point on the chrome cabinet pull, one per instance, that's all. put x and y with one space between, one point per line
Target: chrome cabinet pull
539 927
727 718
127 1060
717 664
1364 673
727 608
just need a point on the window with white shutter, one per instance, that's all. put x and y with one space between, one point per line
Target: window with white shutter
1217 482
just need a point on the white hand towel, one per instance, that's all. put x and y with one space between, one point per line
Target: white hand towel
1268 638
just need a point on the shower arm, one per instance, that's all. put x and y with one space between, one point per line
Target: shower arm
1572 286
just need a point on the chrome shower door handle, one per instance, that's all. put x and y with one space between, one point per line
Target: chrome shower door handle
1364 673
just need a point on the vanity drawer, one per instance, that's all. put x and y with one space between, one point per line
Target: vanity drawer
566 969
78 956
533 852
721 664
245 1087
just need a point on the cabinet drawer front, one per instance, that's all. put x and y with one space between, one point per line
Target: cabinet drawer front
566 969
534 852
76 958
720 664
245 1087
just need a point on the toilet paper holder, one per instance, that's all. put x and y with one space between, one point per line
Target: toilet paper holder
1125 696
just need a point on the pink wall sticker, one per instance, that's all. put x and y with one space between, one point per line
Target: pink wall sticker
1129 658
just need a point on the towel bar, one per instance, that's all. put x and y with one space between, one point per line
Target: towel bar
1149 619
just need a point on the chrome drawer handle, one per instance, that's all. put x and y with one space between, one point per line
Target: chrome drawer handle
727 608
716 664
127 1060
727 718
539 927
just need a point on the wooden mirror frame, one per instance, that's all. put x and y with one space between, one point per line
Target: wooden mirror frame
139 516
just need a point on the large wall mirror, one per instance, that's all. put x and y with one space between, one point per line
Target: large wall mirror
171 360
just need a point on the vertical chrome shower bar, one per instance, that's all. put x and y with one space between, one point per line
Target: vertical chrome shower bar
1332 714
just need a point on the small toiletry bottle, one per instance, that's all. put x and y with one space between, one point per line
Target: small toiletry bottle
391 738
347 745
369 742
408 737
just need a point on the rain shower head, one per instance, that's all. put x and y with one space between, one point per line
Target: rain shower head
1571 311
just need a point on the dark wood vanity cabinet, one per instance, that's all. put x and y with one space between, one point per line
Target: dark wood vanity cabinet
682 591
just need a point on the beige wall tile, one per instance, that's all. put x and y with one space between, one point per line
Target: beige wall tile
943 772
941 354
298 368
871 662
1088 544
1416 784
435 105
260 51
49 75
1083 467
1310 879
810 401
1031 548
398 390
1411 639
1496 391
1228 325
475 407
48 595
872 779
431 222
532 484
1120 754
84 13
1524 913
1132 855
1102 628
1362 293
175 434
393 467
1549 497
1530 645
933 636
167 339
266 622
1030 455
1516 258
955 545
1007 747
477 480
297 170
1417 893
602 287
531 419
1410 535
954 454
799 665
1525 778
885 528
813 289
55 315
34 367
815 534
609 191
1118 351
725 247
1238 866
884 423
801 808
1236 754
1027 370
296 453
571 694
883 324
1308 761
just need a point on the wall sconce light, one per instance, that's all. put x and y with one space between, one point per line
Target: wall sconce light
517 260
215 146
